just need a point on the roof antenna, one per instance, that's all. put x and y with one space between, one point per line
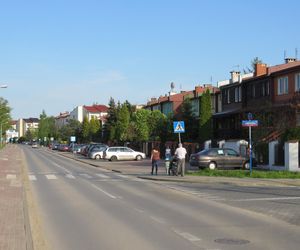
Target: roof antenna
284 54
296 53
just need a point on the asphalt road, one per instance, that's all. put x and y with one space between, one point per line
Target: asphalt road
83 207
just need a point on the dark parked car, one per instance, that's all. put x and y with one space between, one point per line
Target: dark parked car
219 158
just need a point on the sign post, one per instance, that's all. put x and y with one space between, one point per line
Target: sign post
250 123
179 128
73 140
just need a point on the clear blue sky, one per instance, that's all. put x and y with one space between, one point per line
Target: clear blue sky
58 54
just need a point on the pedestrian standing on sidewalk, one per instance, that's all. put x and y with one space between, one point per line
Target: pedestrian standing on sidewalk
155 157
180 154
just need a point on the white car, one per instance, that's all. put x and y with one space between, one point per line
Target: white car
122 153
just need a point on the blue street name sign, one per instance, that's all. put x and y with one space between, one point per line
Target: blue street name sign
250 123
179 127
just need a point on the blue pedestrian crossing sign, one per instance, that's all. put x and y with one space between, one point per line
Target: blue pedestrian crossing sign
178 127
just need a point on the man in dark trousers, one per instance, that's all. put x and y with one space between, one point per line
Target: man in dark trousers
180 154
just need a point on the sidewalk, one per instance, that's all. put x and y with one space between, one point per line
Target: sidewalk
14 226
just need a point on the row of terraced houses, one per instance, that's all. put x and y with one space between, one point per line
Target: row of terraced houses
271 93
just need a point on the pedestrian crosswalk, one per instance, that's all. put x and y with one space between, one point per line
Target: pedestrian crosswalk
73 176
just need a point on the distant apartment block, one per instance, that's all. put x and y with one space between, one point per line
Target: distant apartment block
98 112
23 125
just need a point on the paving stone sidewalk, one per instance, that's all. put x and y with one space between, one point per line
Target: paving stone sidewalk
14 230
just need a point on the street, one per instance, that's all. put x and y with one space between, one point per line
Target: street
84 207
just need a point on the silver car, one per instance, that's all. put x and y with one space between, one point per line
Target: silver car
122 153
97 152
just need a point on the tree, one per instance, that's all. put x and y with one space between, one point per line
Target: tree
94 129
123 119
141 118
86 129
205 121
158 126
5 117
46 127
188 117
109 128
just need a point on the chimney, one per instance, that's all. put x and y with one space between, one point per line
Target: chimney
260 69
289 60
235 76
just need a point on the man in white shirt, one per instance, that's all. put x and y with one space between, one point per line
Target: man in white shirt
180 154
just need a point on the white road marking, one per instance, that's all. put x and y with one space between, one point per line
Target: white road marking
104 192
51 177
187 236
102 176
66 170
159 220
4 159
70 176
32 177
86 176
11 177
269 199
123 176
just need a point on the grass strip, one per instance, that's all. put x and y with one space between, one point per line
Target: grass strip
246 174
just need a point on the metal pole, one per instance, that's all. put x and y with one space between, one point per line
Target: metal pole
179 137
250 147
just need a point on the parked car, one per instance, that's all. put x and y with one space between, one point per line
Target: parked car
97 152
86 150
34 145
122 153
63 148
213 158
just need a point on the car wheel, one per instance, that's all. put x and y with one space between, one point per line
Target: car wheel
138 157
247 165
212 165
114 158
97 157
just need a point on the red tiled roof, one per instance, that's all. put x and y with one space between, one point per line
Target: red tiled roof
96 108
280 67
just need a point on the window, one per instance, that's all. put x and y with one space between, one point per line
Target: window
240 93
236 94
228 96
297 82
283 84
253 91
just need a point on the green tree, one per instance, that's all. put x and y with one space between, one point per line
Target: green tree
95 129
158 126
141 118
205 121
86 129
110 125
191 128
5 118
122 125
46 127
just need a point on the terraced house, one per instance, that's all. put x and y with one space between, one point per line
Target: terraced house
271 93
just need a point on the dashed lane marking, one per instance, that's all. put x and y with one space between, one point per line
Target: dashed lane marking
187 235
32 177
70 176
103 176
51 177
86 176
